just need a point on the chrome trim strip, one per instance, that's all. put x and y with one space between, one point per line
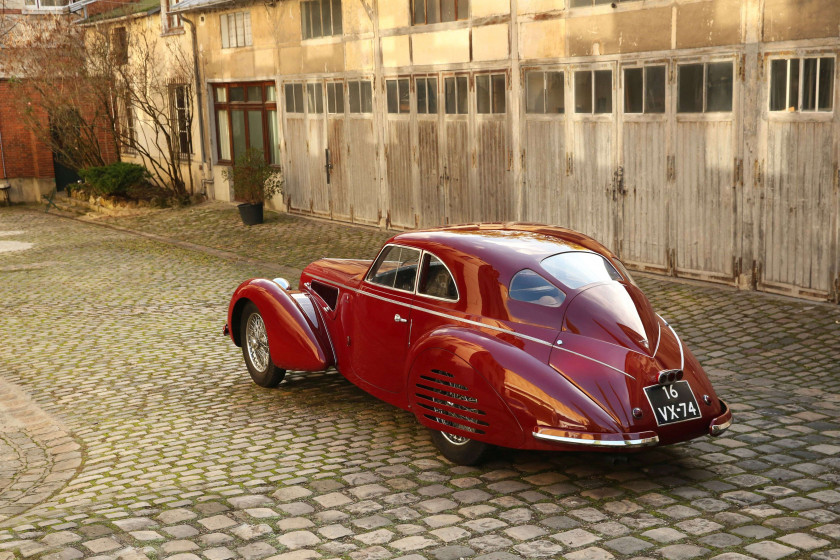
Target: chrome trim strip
474 323
720 428
682 354
658 338
599 442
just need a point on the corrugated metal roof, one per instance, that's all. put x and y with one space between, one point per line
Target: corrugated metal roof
191 5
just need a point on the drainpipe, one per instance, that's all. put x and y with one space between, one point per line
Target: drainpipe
200 109
3 157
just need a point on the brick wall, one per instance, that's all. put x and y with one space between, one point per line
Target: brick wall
25 156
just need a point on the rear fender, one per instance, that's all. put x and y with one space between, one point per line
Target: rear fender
297 340
515 392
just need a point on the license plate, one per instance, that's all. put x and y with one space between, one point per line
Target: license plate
672 403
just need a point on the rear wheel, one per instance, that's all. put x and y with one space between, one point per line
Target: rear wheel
254 337
459 449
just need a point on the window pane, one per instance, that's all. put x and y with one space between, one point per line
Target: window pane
793 95
405 96
534 92
581 3
463 9
421 84
633 87
432 11
530 287
225 39
339 97
316 19
482 94
304 20
462 91
298 98
436 281
331 98
393 102
826 82
239 142
498 84
288 92
367 97
449 95
419 12
578 268
240 29
355 100
583 92
254 93
273 138
319 98
255 130
447 12
690 88
431 92
719 87
809 84
337 28
224 134
655 89
326 18
221 94
248 41
237 93
555 88
778 85
270 93
396 268
603 91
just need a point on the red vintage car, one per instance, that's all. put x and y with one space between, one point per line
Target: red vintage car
512 335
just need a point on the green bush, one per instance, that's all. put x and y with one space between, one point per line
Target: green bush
114 179
253 179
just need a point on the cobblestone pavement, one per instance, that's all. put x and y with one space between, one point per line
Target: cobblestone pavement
129 427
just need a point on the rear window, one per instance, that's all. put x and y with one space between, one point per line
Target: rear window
530 287
578 268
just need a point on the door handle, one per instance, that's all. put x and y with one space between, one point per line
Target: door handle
398 319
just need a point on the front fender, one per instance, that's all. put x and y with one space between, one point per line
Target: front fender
295 343
529 392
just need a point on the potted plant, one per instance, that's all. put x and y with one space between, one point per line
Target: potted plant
254 182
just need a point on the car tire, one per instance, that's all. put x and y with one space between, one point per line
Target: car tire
460 450
254 337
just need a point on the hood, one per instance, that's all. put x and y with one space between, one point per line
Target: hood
614 313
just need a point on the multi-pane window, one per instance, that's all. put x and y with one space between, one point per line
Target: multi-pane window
335 97
360 95
181 117
544 92
246 117
398 96
802 84
172 21
129 134
437 11
315 98
427 95
490 93
320 18
119 45
644 89
704 88
236 30
593 91
456 90
294 98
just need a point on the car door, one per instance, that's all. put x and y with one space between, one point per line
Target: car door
382 319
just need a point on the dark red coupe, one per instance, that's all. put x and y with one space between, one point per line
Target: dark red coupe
514 335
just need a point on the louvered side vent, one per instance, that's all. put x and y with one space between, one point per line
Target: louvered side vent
449 403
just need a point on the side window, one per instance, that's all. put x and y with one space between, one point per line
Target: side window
704 88
490 93
426 95
530 287
395 268
455 92
816 76
436 280
398 96
544 92
360 96
644 90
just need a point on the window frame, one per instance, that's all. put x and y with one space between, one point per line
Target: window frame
592 70
704 113
247 30
336 30
544 72
128 125
455 76
448 270
179 127
264 106
361 113
171 22
799 114
666 91
491 99
455 10
426 78
398 82
377 263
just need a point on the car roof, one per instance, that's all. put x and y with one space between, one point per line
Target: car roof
507 247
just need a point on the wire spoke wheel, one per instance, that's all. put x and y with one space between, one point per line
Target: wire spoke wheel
257 341
255 349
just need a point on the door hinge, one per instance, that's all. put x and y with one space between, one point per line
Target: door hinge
738 173
742 71
835 296
736 268
671 163
757 178
755 280
618 182
570 164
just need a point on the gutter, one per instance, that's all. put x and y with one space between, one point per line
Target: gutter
200 103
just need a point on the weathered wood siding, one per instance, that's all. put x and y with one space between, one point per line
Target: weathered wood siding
429 185
339 193
398 150
590 196
316 146
546 197
361 164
